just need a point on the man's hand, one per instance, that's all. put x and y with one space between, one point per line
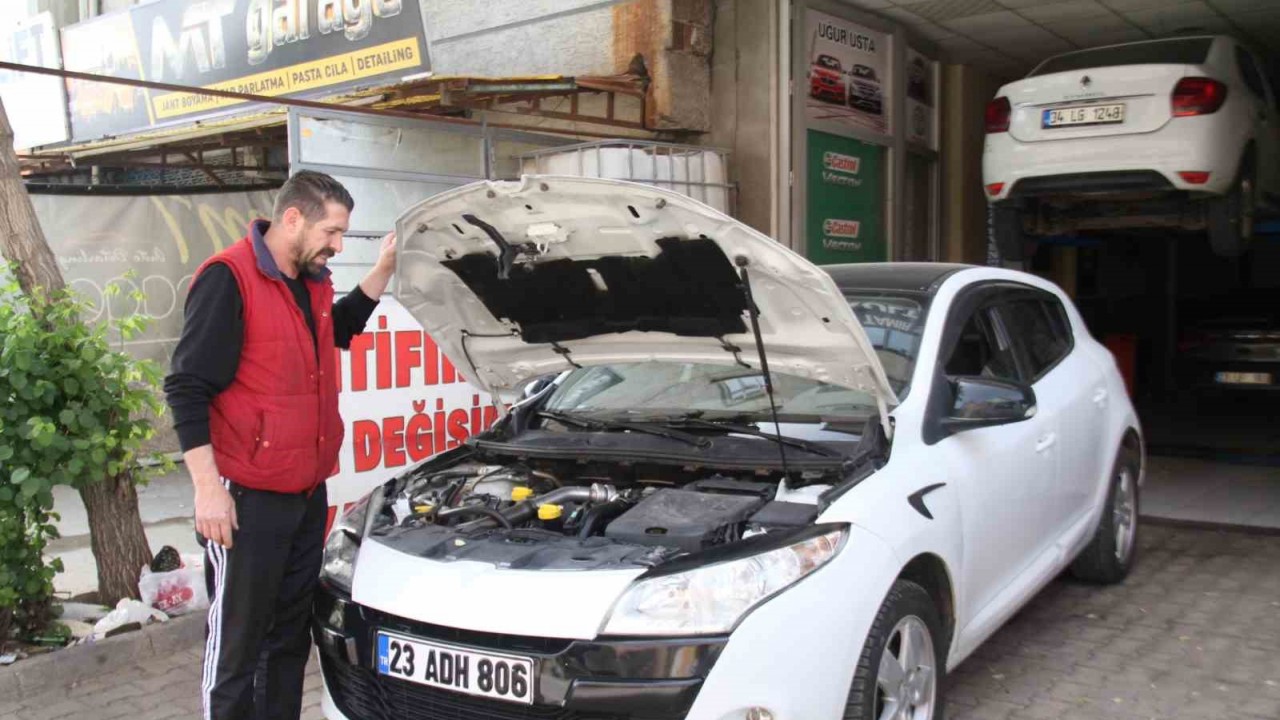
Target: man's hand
375 283
215 512
215 508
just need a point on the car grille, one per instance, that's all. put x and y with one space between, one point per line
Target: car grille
362 694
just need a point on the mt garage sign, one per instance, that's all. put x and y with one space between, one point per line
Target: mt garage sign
261 47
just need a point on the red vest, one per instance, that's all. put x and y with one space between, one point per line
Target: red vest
277 427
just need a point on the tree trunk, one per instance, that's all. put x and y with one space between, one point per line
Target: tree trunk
116 535
21 238
115 527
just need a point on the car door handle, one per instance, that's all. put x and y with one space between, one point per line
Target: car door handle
1046 442
1100 397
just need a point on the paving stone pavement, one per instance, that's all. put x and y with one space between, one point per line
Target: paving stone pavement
1193 634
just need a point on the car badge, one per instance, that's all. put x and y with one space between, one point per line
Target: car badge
1086 81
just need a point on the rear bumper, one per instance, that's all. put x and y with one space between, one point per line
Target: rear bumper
1123 181
1186 144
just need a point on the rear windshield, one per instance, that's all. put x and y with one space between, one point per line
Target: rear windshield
1187 51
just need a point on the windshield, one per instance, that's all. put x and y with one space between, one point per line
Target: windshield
1184 51
669 389
894 324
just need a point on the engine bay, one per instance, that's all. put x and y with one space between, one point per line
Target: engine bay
575 515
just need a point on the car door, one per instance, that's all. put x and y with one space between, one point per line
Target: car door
1266 126
1071 394
1002 474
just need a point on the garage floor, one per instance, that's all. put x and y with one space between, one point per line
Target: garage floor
1191 634
1214 492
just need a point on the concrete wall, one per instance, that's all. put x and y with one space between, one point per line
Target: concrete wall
742 98
965 92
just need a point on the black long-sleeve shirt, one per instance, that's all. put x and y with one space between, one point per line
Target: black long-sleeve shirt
208 353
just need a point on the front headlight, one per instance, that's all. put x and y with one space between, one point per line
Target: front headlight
712 600
342 546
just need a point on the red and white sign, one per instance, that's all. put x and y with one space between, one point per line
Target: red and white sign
836 227
402 402
841 162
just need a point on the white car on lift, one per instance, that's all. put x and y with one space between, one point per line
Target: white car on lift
1124 135
638 539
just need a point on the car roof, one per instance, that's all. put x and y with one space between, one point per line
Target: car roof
916 277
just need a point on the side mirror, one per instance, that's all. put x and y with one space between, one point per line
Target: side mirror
979 402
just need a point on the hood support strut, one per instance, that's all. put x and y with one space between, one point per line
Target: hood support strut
754 312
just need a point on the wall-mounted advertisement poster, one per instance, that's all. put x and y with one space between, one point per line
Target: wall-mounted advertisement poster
920 99
845 200
847 76
43 119
305 48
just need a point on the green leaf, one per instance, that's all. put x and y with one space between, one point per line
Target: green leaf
19 475
71 385
6 452
6 496
31 486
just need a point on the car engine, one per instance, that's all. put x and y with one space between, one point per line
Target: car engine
585 516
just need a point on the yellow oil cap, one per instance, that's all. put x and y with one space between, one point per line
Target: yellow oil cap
520 492
423 508
549 512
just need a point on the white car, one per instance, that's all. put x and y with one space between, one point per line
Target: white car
637 539
1124 136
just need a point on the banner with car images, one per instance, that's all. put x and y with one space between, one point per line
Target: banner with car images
848 67
261 47
921 103
845 208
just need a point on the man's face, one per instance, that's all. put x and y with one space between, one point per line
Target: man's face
318 241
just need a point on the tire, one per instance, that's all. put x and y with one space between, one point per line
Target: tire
1011 239
1114 548
907 612
1231 217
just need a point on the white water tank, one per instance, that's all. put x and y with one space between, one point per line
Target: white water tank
699 172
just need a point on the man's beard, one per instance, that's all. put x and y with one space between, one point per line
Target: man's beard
311 264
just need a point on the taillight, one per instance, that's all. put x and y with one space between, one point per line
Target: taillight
1197 96
1194 177
994 189
998 112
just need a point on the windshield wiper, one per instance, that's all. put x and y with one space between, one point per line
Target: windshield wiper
647 428
730 426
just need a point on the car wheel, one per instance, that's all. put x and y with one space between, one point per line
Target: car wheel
1231 216
899 675
1111 553
1011 238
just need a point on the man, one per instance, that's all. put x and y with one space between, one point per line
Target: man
255 406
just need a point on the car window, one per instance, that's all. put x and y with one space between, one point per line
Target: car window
1183 51
894 324
1249 71
982 350
1040 329
666 389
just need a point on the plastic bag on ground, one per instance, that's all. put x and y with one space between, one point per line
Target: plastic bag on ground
175 592
127 611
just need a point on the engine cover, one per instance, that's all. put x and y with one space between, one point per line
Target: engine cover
683 519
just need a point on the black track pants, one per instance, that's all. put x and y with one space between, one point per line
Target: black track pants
257 640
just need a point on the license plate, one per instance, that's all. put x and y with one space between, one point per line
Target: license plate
501 677
1242 378
1083 115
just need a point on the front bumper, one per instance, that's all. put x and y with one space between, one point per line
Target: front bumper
649 679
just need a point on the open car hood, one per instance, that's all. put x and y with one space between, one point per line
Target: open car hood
515 280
